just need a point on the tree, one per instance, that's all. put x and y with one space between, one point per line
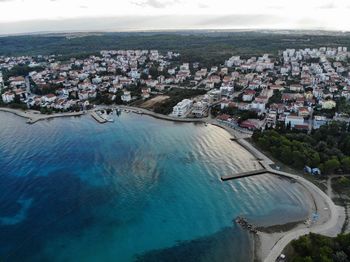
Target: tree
314 160
340 256
345 163
303 245
286 155
331 165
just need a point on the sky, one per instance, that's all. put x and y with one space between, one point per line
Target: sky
21 16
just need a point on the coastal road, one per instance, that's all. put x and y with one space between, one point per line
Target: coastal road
324 206
331 227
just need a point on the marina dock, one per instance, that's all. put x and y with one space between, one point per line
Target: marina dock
98 118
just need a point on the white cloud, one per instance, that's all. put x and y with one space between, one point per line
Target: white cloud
297 14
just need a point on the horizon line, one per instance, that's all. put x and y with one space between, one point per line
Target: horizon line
172 30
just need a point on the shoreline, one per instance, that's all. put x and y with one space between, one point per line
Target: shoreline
271 244
271 241
33 116
160 116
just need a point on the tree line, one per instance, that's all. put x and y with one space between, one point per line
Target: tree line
315 247
327 148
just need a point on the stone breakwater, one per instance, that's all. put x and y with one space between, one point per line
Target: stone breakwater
33 116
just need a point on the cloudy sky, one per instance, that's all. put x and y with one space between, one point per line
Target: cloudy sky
20 16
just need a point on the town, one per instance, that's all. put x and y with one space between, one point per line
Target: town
299 89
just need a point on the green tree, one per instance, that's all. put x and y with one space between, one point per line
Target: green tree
286 155
331 165
340 256
345 164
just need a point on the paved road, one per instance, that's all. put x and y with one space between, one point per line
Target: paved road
328 228
35 116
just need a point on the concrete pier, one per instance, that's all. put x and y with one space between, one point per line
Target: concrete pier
98 118
244 174
257 172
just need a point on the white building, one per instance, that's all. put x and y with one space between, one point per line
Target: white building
199 109
1 82
328 104
8 97
294 120
83 95
182 108
259 106
49 98
126 97
227 91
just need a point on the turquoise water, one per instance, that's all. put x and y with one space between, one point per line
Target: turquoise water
138 189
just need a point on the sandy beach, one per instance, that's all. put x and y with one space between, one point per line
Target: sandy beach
270 242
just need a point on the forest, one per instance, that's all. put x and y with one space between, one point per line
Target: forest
208 48
327 148
315 247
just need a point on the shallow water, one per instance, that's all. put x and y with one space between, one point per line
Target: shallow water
136 189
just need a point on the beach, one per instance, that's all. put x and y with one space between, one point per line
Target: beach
331 217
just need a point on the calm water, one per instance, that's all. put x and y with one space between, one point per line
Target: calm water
136 189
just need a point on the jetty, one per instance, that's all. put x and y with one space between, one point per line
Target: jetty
34 116
257 172
244 174
98 118
243 222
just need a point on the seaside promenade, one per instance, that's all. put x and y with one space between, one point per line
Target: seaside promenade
33 116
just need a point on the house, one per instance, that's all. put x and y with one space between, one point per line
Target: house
258 106
182 108
199 109
209 85
145 93
328 104
303 111
319 121
294 120
214 94
296 88
271 119
227 91
83 95
8 97
224 117
113 89
126 97
248 95
49 98
160 87
278 108
251 124
92 94
17 81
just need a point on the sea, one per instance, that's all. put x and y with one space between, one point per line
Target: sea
137 189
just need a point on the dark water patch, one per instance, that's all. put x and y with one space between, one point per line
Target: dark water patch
62 203
229 244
